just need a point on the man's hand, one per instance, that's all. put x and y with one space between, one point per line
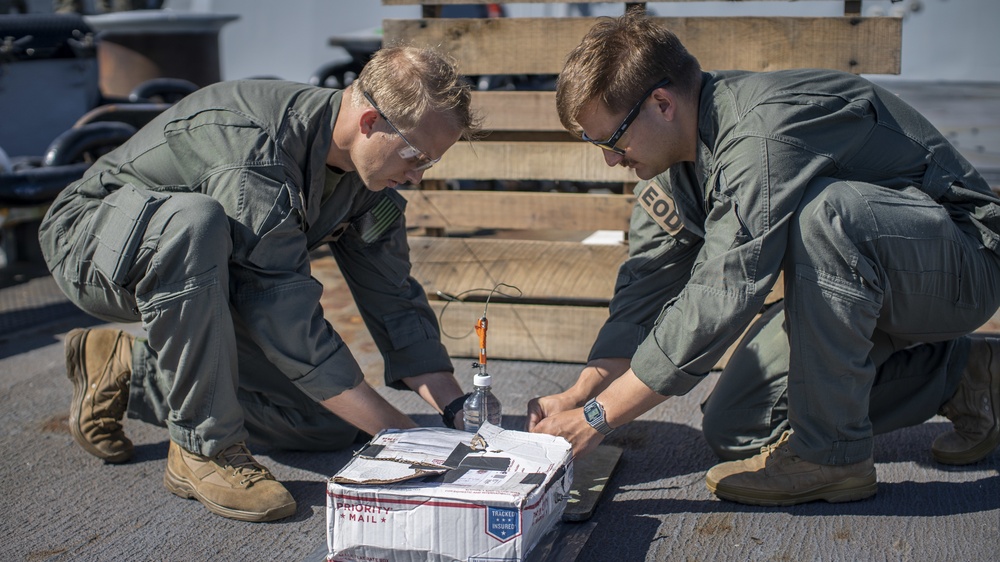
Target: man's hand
573 427
541 408
593 379
624 400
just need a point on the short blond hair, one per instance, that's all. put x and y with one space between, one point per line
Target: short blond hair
618 60
409 82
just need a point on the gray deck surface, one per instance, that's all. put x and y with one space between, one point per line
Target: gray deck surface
59 503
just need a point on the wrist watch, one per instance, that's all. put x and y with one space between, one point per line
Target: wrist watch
594 413
452 410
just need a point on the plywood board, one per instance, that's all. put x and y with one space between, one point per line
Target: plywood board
502 45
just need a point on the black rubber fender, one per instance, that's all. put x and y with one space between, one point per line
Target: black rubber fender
336 74
32 186
74 144
168 90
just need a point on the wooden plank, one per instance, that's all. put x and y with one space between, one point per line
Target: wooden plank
525 332
564 161
500 45
566 272
517 210
517 111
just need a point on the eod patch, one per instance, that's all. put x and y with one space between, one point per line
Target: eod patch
661 207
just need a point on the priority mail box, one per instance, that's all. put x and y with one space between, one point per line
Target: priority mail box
434 494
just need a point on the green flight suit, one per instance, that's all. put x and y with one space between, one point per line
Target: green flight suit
888 239
200 226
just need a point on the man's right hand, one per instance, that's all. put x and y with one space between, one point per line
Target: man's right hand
545 406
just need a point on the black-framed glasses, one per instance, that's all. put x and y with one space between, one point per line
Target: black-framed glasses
418 158
613 140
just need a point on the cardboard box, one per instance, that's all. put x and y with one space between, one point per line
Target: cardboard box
433 494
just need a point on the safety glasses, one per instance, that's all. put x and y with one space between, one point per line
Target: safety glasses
613 140
413 155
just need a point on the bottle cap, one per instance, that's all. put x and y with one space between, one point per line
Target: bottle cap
482 380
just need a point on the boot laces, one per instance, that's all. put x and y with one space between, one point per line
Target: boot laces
779 448
238 458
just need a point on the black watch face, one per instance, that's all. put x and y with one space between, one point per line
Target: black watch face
592 412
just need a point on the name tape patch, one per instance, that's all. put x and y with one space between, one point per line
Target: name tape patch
661 207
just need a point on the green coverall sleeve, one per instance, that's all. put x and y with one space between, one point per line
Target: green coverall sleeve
393 304
658 266
756 186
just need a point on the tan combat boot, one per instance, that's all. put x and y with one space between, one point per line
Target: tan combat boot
99 363
779 477
231 484
974 409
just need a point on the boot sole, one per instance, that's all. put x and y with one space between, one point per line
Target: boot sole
75 342
180 486
852 489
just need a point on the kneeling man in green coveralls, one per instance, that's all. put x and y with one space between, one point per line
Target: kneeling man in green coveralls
887 237
200 227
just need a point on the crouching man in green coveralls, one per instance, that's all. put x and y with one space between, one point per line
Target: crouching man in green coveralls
201 225
887 237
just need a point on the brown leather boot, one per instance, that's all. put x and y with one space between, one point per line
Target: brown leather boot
974 410
99 363
779 477
231 484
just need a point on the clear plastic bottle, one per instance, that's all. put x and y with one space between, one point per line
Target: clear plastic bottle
481 405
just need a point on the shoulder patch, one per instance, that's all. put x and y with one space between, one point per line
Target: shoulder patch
661 207
377 221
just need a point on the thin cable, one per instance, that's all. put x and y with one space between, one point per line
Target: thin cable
448 298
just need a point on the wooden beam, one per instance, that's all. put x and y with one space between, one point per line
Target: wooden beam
517 111
500 45
562 334
564 161
553 272
517 210
523 332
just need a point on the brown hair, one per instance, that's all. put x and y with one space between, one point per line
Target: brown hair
618 60
408 82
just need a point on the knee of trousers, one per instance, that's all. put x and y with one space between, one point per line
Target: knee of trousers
721 435
833 214
198 231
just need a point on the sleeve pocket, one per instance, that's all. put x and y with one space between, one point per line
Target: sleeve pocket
405 328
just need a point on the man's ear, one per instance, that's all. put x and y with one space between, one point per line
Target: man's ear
666 102
367 121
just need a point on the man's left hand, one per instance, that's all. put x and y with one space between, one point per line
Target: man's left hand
572 426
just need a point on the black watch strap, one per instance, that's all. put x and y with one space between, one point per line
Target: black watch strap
452 410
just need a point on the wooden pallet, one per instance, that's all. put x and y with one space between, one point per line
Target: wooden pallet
476 238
